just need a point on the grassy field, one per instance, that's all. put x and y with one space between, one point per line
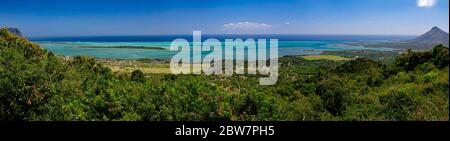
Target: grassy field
145 69
151 67
326 57
129 66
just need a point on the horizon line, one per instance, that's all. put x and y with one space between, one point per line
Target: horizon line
257 34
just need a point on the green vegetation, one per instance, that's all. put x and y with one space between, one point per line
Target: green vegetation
325 57
36 85
382 56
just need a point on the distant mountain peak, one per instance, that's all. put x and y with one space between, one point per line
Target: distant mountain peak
434 36
14 31
435 28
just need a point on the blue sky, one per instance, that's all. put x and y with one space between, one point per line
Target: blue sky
139 17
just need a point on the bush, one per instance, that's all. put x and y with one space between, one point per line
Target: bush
441 56
137 75
410 60
429 77
334 94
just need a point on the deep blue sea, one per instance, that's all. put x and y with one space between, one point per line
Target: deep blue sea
106 46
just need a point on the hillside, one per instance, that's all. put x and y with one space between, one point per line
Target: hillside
37 85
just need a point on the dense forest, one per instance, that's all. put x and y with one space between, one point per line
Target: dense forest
35 85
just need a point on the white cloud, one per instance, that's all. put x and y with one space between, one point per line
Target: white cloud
426 3
246 25
287 23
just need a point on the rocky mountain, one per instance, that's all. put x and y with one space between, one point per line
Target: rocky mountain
15 31
434 36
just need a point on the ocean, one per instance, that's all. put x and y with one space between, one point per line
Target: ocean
157 46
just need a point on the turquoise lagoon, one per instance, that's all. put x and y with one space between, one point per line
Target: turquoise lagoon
132 48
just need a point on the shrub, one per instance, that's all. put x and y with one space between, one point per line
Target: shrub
137 75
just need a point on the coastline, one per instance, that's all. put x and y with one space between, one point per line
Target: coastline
124 47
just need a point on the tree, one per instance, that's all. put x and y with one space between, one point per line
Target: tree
440 56
137 75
